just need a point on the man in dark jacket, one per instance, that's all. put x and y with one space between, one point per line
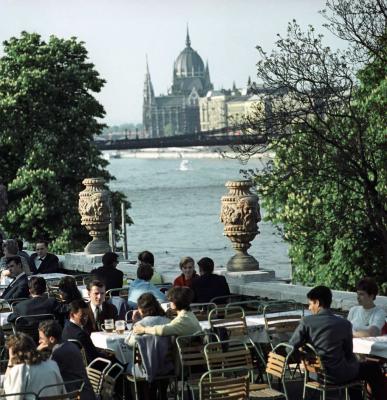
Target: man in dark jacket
68 357
108 273
39 303
331 336
73 329
209 285
18 288
43 262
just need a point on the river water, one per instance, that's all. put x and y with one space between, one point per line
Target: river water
176 207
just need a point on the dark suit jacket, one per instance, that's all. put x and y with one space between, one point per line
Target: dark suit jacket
73 331
208 286
50 264
331 336
69 359
17 289
33 306
109 311
111 277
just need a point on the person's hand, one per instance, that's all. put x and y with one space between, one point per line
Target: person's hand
138 329
42 347
5 273
136 316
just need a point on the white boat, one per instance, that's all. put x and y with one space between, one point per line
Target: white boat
184 165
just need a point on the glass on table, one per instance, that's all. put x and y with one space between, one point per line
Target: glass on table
108 325
120 326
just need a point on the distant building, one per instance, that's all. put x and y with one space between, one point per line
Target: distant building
178 112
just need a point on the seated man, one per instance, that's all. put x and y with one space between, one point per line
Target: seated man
142 285
331 336
39 303
367 319
68 357
208 285
108 273
146 257
74 329
98 309
43 262
18 288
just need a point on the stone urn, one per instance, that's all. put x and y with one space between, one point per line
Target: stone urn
94 208
240 215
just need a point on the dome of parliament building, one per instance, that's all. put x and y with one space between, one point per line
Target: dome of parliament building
189 63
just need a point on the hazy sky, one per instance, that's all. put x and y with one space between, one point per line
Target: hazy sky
118 34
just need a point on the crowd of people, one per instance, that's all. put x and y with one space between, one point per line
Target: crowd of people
55 358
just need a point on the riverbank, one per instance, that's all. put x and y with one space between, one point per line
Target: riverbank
180 153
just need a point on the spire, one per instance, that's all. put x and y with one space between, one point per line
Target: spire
187 39
249 81
148 87
233 86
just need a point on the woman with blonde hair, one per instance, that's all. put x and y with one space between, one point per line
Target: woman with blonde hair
188 273
28 371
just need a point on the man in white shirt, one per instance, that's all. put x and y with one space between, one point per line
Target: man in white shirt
367 319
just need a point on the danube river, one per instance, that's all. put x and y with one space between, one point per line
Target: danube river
176 206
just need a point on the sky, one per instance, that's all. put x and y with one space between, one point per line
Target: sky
118 35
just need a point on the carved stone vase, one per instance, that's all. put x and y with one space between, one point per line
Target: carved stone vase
95 214
240 215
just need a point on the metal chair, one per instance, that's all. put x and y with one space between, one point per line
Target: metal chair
251 307
192 359
225 384
29 324
5 306
117 292
81 349
73 395
222 300
315 376
109 381
276 367
96 371
201 310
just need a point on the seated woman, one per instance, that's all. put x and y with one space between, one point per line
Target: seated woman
27 370
367 319
187 267
185 323
156 351
68 290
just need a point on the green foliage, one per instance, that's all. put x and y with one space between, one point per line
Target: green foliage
327 185
48 117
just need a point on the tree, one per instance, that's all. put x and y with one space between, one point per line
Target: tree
327 186
48 117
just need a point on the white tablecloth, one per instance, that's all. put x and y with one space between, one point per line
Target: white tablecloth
52 276
115 343
84 291
375 346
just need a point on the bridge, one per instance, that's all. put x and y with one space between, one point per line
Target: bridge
217 137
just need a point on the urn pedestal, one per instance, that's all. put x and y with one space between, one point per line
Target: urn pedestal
240 215
95 214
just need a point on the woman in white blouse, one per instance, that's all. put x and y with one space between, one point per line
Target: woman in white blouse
367 319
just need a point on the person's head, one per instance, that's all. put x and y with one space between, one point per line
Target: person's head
50 333
187 266
37 285
145 272
367 290
110 259
319 297
97 292
146 257
20 244
41 248
68 289
206 266
149 306
22 350
180 297
10 247
14 265
78 312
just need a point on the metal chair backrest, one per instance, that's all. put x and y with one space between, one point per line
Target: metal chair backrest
5 306
201 310
281 320
29 324
313 365
251 307
225 384
109 381
223 300
73 395
228 323
22 395
119 292
96 371
14 302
